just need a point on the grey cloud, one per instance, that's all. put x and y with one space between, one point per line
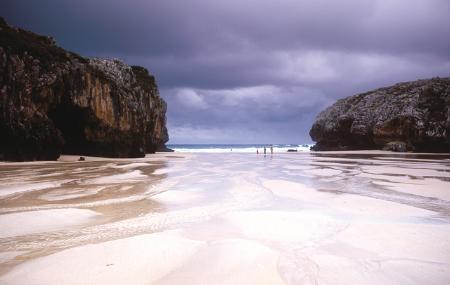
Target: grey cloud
257 111
252 70
197 26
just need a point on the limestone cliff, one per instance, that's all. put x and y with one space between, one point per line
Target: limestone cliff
410 116
53 101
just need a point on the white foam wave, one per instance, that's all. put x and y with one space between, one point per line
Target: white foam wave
252 149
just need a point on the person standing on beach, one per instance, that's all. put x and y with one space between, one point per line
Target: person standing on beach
264 150
271 149
257 151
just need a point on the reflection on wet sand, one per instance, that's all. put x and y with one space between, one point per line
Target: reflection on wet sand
329 218
50 202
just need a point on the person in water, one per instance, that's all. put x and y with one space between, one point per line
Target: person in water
265 151
271 149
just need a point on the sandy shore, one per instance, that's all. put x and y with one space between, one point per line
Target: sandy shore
365 217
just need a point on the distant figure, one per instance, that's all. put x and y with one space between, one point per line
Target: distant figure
231 149
257 151
81 158
271 149
265 151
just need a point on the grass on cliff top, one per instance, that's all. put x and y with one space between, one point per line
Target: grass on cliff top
18 41
144 79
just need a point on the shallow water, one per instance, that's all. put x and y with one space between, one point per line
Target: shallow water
233 218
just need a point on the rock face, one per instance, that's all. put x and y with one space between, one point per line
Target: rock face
53 101
410 116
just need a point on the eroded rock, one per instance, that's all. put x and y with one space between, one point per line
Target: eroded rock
53 101
409 116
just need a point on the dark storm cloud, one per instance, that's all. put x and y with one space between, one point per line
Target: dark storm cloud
255 70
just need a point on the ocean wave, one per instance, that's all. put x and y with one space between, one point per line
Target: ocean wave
240 148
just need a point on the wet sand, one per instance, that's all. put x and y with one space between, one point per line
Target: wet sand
232 218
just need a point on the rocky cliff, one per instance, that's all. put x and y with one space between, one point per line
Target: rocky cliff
53 101
410 116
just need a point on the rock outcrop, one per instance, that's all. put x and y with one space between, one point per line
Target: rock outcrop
410 116
53 101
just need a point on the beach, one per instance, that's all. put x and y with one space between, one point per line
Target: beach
362 217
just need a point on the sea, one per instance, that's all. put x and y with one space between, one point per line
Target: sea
245 148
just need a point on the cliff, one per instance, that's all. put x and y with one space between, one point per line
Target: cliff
410 116
53 101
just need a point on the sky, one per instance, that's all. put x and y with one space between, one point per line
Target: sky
252 71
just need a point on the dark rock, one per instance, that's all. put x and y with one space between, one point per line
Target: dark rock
165 149
53 101
396 146
82 158
410 116
292 150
